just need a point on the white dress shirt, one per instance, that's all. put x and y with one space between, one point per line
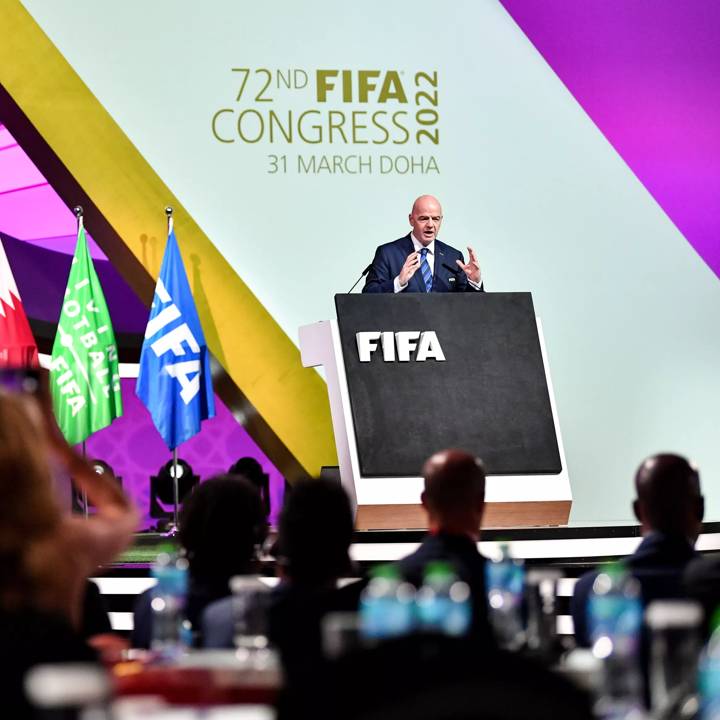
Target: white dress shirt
430 257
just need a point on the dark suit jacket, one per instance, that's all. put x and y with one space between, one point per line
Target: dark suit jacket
658 564
462 553
702 582
390 258
200 595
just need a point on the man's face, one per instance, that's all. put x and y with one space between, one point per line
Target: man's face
425 218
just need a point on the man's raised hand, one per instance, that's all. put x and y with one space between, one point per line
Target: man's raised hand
472 267
409 268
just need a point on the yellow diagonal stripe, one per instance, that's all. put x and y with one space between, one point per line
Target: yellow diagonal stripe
263 362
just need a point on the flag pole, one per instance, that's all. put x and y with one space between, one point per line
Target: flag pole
79 213
175 527
84 492
176 494
169 213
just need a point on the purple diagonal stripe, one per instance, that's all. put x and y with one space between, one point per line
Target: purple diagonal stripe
648 74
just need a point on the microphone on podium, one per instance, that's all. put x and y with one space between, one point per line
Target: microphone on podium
362 275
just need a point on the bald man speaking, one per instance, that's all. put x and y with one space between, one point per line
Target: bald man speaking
419 262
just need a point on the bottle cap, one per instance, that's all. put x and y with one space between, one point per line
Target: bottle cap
438 569
715 620
615 570
165 553
536 576
663 614
240 584
387 571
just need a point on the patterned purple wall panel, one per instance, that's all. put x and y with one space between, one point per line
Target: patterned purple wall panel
41 276
134 449
648 74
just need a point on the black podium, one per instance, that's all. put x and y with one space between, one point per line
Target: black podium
410 374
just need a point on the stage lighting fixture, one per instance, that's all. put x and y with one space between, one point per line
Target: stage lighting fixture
99 466
161 488
251 469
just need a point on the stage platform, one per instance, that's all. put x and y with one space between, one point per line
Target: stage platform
572 549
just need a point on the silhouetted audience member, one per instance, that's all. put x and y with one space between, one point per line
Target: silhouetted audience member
454 500
46 555
315 532
251 469
416 676
222 523
670 510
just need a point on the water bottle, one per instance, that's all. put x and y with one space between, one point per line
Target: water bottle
171 633
674 654
541 604
709 674
250 604
504 578
615 621
443 602
386 605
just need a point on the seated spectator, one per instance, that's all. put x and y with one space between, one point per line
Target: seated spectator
251 469
315 532
46 556
454 500
702 583
222 523
670 510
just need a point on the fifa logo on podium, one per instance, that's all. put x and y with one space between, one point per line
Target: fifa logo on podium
399 345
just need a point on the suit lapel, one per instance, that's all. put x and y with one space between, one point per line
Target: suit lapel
439 260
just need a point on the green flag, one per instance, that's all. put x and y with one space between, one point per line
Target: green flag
84 374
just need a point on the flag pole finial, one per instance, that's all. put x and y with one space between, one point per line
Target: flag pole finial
168 211
78 211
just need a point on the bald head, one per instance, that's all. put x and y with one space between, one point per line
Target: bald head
425 219
425 202
454 495
668 496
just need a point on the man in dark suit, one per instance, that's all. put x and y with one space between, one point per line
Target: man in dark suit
670 509
454 500
419 262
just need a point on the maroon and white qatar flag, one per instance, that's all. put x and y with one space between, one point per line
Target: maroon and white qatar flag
17 344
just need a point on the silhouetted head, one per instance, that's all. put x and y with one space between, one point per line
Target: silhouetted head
315 532
221 525
668 496
454 495
251 469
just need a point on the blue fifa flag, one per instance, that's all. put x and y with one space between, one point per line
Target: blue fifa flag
174 382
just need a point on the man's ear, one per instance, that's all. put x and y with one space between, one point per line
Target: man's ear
637 511
423 500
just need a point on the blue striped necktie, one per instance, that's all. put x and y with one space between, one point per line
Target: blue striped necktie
425 269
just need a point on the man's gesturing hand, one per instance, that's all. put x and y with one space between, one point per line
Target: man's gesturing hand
408 269
472 267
